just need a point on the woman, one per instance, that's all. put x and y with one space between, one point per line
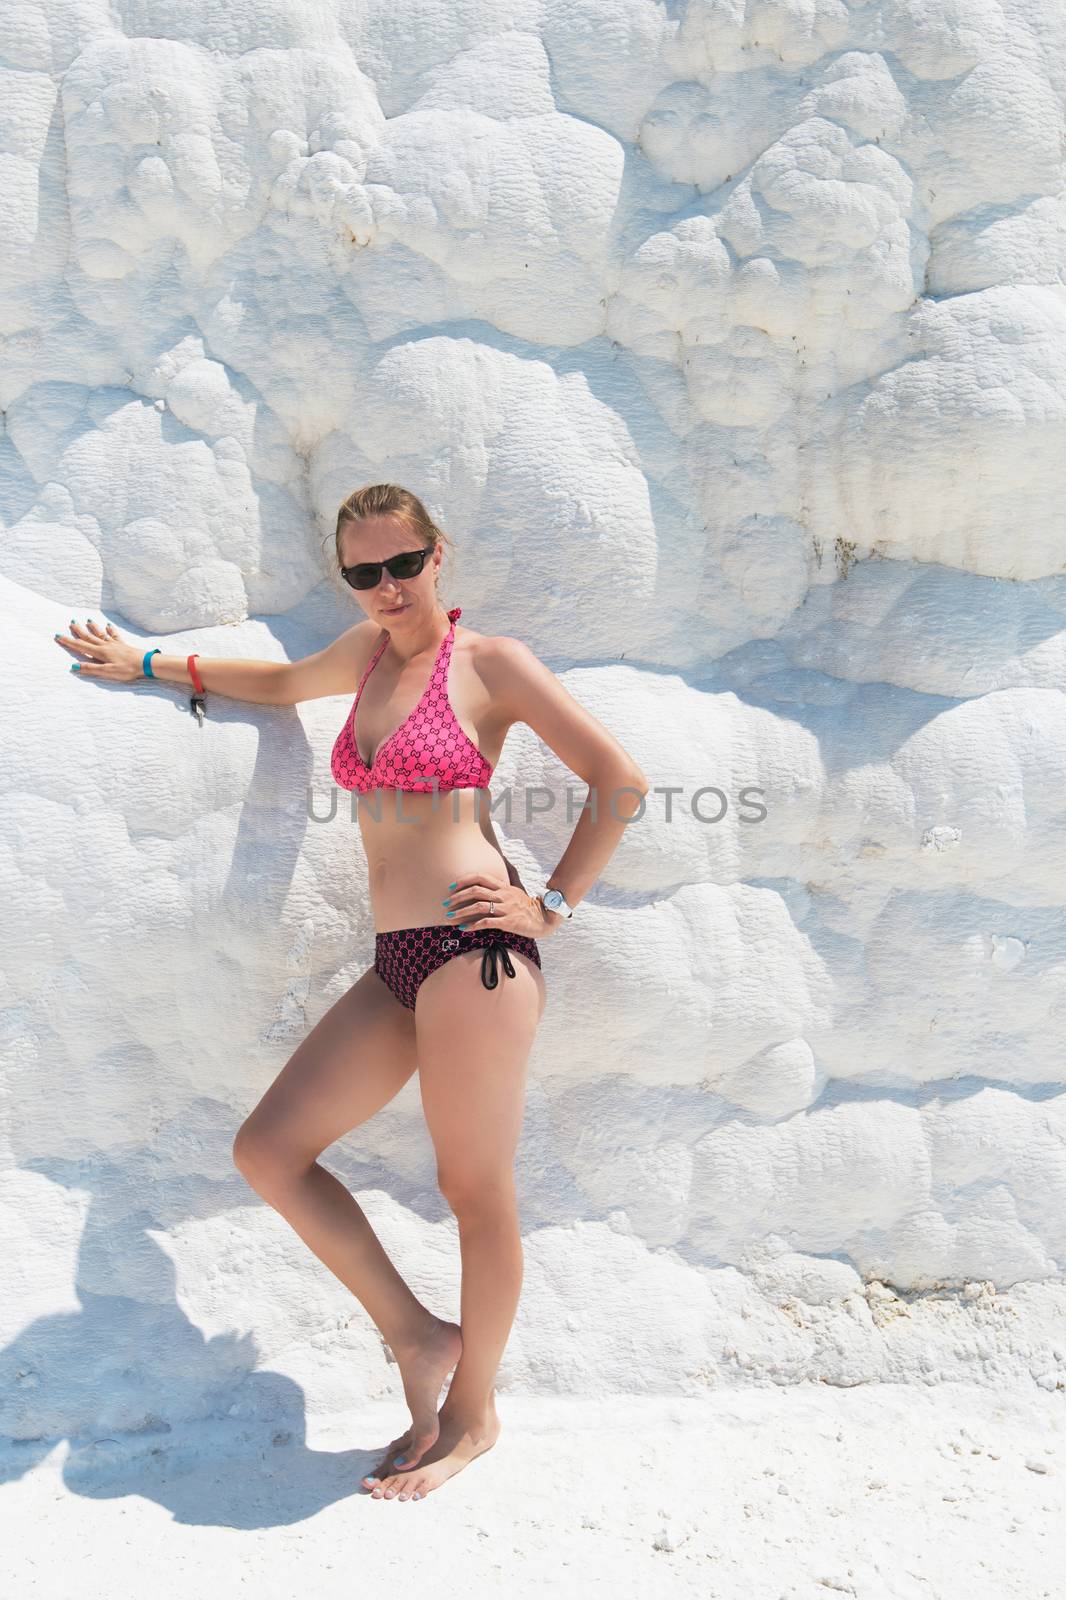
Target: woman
456 988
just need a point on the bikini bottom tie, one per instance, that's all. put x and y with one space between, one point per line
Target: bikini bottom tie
489 975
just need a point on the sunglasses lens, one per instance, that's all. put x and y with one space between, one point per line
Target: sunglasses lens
367 573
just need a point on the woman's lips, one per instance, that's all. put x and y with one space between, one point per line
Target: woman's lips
397 611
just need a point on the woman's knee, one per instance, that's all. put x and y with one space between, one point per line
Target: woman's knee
470 1195
261 1158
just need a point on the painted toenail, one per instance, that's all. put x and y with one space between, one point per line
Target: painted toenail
417 1495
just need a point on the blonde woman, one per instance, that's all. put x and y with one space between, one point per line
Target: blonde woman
456 990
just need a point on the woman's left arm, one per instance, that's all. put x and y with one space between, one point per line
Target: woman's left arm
525 690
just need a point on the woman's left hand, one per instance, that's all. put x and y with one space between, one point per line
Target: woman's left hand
482 900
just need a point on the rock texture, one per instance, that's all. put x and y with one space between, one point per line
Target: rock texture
729 341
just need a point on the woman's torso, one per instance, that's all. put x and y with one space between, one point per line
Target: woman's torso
417 844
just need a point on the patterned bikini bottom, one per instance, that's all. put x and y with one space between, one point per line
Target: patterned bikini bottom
405 957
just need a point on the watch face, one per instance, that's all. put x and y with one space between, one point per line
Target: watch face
552 899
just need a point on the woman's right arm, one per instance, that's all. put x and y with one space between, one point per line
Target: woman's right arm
334 670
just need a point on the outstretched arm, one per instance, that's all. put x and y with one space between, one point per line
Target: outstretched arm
103 653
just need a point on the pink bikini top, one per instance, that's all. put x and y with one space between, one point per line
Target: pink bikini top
428 744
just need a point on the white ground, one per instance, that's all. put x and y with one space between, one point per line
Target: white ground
792 1494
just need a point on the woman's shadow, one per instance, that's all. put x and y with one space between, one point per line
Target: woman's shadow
242 1462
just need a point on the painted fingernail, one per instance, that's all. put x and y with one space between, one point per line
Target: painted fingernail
453 886
76 667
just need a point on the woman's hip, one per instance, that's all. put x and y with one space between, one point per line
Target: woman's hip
405 957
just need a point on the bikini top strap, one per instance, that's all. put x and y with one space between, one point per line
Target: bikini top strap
445 654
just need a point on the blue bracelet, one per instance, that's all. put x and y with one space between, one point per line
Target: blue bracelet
146 664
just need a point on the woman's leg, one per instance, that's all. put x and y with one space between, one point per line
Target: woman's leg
354 1060
473 1051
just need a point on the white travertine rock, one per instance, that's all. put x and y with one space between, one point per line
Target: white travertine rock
728 341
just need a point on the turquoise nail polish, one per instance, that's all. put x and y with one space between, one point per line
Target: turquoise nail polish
460 926
452 886
446 902
76 667
449 913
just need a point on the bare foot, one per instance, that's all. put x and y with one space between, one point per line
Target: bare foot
459 1441
423 1369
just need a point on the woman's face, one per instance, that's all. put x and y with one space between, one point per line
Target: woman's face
375 539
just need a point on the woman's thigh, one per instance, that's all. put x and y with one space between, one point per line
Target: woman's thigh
473 1051
355 1059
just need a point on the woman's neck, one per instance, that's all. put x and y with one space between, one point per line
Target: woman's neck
408 644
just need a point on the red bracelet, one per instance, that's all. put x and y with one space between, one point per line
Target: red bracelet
196 705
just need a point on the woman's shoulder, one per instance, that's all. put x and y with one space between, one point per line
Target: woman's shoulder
506 665
500 652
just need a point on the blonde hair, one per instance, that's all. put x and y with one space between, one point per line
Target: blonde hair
389 500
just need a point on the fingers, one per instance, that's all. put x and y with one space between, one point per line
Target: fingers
84 635
471 888
75 640
491 908
106 634
464 906
471 899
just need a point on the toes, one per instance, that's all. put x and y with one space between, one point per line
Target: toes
388 1460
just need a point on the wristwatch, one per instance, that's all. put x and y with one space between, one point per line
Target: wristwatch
554 900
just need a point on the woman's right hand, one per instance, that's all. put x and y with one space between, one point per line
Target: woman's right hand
103 653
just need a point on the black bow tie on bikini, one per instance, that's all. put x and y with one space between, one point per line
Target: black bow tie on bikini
489 975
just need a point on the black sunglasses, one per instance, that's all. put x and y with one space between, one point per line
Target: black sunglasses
367 574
